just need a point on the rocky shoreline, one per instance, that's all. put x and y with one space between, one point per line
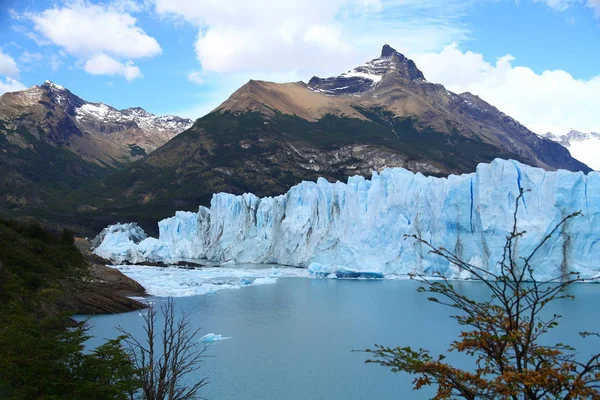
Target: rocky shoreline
105 290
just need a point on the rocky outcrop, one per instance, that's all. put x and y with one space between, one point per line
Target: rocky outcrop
104 290
93 299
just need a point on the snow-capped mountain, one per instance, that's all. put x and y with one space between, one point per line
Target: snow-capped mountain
392 88
368 75
96 132
583 146
155 131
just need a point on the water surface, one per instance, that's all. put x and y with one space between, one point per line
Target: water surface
293 339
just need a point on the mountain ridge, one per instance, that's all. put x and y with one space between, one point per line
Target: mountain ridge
94 131
394 83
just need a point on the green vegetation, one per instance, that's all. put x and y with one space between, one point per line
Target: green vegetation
36 265
36 177
42 353
40 358
136 150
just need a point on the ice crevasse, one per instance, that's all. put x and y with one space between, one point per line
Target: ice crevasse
362 225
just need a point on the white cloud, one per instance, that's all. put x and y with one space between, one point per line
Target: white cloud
563 5
595 6
10 85
196 77
31 58
550 101
559 5
102 64
10 70
83 29
55 62
105 36
35 60
310 36
8 66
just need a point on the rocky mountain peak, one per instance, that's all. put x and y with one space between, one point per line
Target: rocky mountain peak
137 112
60 96
53 86
387 51
390 66
399 62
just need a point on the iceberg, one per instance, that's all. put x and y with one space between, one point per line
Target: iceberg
362 225
211 337
123 240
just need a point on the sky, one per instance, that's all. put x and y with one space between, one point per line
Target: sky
536 60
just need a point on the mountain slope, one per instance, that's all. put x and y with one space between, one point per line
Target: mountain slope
286 98
395 84
53 142
392 83
583 146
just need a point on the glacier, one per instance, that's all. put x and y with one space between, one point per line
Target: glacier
362 225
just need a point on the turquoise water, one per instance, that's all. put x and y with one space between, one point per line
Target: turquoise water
294 339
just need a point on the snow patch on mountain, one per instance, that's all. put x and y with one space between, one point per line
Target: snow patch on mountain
54 85
373 77
133 125
146 121
369 75
583 146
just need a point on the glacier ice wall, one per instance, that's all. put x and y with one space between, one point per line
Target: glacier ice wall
361 225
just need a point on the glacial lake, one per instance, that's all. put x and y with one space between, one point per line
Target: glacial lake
292 336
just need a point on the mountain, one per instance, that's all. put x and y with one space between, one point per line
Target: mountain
268 137
583 146
95 132
394 84
363 224
53 142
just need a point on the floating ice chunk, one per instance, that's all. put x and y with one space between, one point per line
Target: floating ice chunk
211 337
265 281
347 274
177 282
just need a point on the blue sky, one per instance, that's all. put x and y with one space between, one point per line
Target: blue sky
537 60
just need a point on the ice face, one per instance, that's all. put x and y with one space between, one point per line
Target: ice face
119 242
362 225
